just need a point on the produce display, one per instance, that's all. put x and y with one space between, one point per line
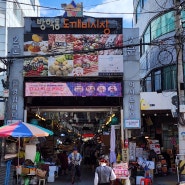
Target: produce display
61 65
36 45
37 66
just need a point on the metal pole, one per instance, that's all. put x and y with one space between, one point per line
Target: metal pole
180 74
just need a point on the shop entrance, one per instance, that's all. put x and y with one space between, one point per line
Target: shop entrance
74 120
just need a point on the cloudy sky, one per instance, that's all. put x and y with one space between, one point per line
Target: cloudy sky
95 8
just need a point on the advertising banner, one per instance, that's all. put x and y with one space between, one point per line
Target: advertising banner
109 89
82 46
73 55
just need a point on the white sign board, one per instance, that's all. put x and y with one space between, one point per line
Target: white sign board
132 123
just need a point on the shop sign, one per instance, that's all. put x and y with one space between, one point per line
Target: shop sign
83 89
154 103
107 25
121 170
16 49
148 165
14 97
131 123
131 101
131 50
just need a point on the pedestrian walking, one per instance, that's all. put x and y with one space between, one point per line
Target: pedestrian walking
74 161
104 175
63 157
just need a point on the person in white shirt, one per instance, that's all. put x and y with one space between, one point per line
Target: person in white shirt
104 175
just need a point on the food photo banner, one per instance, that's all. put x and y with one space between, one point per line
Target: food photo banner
108 89
74 65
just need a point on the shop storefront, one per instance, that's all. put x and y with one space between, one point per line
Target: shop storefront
68 79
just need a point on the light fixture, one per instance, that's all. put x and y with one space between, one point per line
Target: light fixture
146 137
143 114
167 114
38 115
155 114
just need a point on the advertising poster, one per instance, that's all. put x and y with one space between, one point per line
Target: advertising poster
73 47
121 170
81 89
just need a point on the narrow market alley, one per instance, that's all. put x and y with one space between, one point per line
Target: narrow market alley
87 178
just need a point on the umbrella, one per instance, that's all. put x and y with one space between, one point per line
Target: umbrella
21 129
112 145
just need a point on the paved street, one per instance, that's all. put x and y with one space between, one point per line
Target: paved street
88 178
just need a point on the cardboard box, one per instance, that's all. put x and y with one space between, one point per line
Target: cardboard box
32 171
25 171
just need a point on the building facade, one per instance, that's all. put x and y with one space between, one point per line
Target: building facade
70 70
161 103
12 14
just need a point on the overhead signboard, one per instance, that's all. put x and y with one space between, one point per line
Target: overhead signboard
108 89
73 47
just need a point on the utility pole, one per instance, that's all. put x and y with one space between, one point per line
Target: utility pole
180 77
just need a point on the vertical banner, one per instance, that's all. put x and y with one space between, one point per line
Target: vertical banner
131 101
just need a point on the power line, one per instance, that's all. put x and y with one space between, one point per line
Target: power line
89 12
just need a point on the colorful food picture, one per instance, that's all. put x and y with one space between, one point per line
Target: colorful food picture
35 44
86 42
58 43
37 66
112 41
61 65
85 65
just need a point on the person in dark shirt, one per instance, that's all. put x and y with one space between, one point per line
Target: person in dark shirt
63 157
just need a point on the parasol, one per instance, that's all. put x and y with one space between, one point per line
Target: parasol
21 129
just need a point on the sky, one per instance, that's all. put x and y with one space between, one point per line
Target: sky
94 8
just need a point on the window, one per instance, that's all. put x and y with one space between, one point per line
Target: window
143 3
146 38
156 28
148 83
169 78
157 80
167 22
162 25
138 10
